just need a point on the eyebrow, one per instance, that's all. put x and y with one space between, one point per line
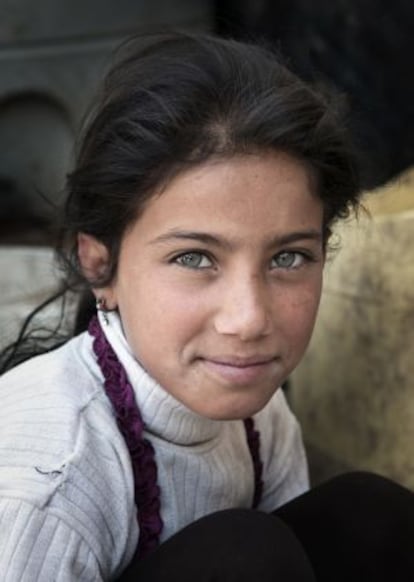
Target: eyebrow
219 241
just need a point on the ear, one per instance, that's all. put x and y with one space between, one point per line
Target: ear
94 260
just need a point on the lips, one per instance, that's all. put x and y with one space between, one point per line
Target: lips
240 362
236 370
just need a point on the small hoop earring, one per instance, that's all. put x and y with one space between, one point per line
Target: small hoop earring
101 307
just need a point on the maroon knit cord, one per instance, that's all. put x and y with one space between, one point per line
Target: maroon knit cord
130 423
253 440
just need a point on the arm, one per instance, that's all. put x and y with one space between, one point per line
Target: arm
36 545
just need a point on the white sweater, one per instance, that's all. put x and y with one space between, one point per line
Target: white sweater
67 508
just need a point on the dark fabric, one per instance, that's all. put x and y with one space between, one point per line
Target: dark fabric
237 545
357 527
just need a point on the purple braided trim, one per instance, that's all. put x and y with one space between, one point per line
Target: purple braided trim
253 441
130 423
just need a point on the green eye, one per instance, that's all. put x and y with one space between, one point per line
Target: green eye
288 260
193 260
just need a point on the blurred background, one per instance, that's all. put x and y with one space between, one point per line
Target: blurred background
354 393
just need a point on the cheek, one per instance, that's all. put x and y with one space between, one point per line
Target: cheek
158 318
299 316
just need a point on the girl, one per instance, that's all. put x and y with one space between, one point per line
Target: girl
199 214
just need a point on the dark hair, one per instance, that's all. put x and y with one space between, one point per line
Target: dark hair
176 100
173 101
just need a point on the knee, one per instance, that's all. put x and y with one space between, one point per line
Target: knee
235 544
241 531
367 487
352 501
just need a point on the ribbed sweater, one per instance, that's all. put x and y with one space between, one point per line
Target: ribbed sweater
67 510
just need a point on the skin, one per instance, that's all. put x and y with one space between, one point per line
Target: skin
219 281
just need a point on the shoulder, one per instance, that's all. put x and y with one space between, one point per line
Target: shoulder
53 408
285 470
44 401
53 391
67 371
279 428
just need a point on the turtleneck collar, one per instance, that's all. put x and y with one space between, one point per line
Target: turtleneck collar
163 415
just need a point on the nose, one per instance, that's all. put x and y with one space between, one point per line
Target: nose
245 309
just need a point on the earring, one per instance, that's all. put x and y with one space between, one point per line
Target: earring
101 307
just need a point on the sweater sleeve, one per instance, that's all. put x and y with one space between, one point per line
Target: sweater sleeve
285 468
38 546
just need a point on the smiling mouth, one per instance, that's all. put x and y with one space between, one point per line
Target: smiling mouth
241 371
242 362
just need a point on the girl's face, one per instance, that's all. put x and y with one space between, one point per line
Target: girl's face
219 281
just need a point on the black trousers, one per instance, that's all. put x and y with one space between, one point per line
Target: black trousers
358 527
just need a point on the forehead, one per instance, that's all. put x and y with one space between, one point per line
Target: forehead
238 196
